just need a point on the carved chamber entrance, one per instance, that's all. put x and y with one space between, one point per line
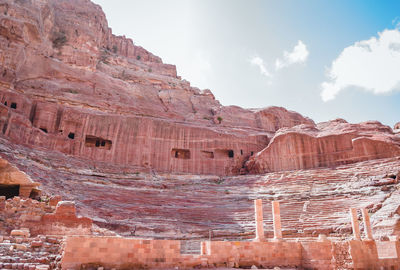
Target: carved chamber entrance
9 191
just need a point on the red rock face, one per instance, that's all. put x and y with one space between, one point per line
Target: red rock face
325 145
179 206
397 127
78 89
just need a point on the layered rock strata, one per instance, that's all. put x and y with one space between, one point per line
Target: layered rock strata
327 144
178 206
77 88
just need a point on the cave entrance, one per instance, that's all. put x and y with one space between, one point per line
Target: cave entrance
9 190
224 153
180 153
93 141
207 154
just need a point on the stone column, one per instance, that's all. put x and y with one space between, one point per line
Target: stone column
367 224
259 220
276 214
354 224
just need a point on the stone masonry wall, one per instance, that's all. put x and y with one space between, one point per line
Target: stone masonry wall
125 252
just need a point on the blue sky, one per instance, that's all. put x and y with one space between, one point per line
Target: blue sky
336 59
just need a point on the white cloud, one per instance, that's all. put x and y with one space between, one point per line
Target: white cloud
299 54
373 65
257 61
396 22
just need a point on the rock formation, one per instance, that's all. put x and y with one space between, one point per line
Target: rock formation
77 89
397 127
80 90
326 144
99 103
95 119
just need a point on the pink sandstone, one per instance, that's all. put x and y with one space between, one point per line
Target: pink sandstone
107 124
98 96
327 144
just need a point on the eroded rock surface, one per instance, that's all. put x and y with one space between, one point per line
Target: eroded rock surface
326 144
144 204
68 84
103 122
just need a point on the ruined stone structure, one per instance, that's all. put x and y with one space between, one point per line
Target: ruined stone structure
42 218
95 119
311 254
14 182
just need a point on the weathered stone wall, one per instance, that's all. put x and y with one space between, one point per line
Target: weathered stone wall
317 255
365 254
125 252
246 254
42 218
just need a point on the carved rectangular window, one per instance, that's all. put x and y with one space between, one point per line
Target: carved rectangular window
224 153
93 141
13 105
207 154
9 191
180 153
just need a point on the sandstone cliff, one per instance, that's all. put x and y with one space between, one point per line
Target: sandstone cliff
327 144
103 122
68 84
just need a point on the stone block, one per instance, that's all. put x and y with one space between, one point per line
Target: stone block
54 200
21 247
66 208
23 233
36 244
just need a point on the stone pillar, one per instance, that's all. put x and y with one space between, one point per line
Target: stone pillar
367 224
354 224
259 220
276 214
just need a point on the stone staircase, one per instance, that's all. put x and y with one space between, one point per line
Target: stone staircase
20 251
